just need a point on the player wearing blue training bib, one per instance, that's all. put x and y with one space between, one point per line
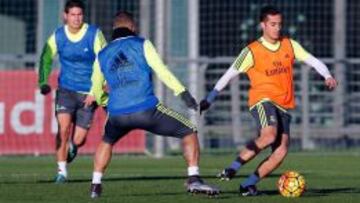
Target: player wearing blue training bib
127 64
77 44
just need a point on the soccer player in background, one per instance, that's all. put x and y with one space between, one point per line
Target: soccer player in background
268 62
127 64
77 44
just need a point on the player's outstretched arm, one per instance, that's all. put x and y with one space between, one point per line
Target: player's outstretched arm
322 69
165 75
302 55
189 100
220 85
331 83
208 100
97 88
46 58
45 89
99 43
162 72
242 64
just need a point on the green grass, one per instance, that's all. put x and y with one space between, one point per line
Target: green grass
330 178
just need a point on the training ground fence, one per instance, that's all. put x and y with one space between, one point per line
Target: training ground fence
199 40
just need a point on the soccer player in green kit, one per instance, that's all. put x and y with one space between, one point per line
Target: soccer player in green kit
77 44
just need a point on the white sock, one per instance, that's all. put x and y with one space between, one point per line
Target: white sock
62 168
235 165
193 171
96 179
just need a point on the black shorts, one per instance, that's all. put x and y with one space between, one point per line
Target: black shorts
72 103
268 114
159 120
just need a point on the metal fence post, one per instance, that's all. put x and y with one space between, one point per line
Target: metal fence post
235 113
160 45
306 142
40 28
193 47
339 55
145 18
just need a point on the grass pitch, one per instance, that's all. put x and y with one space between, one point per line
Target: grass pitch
330 177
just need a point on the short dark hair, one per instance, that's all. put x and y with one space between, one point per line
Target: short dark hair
123 17
74 3
268 10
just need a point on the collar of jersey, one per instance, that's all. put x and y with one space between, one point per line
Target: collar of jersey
121 33
121 38
268 45
75 37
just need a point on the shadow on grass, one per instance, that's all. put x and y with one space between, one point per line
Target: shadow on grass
178 194
310 192
143 178
130 178
327 191
225 194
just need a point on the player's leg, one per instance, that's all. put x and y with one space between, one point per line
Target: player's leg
279 147
191 149
101 161
191 153
265 118
83 119
113 132
268 165
164 121
62 137
64 109
79 137
279 152
77 140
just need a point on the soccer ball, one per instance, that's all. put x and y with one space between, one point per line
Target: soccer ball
291 184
